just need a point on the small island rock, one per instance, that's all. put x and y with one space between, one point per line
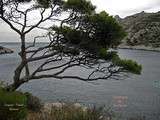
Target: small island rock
4 50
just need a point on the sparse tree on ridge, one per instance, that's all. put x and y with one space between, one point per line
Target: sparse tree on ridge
79 38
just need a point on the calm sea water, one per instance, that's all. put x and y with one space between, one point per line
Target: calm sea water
135 95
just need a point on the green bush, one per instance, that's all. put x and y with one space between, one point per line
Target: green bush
12 105
102 53
107 55
129 65
33 103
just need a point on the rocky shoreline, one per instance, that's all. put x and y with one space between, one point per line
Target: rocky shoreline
140 47
4 50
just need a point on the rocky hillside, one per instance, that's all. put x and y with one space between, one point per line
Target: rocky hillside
142 28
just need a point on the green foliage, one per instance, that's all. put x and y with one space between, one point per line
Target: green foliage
72 36
110 55
96 31
100 41
107 31
12 105
48 3
107 55
82 6
44 3
102 52
33 103
129 65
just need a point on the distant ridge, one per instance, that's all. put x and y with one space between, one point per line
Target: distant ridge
142 28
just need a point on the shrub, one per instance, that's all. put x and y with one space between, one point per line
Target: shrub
12 105
128 65
102 53
107 55
33 103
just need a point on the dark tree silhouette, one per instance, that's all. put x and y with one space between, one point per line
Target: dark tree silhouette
79 38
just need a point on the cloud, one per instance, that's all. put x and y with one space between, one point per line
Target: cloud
150 8
113 7
126 7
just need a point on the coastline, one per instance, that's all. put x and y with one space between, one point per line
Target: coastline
4 50
139 47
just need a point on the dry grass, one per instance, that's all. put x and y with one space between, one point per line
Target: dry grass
61 111
69 112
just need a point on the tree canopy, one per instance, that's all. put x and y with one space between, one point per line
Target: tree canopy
79 37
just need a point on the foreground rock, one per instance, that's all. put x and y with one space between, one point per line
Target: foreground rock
48 106
143 29
4 50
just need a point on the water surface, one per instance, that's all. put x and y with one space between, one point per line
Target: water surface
142 91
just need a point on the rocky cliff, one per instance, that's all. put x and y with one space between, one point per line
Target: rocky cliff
142 28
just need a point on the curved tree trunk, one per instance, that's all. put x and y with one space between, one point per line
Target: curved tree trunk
17 74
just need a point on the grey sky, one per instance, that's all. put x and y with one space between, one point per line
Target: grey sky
122 8
127 7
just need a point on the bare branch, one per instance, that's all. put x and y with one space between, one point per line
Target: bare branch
9 23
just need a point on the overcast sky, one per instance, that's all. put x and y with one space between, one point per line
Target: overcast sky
122 8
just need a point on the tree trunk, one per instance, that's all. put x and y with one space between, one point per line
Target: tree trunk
17 74
14 86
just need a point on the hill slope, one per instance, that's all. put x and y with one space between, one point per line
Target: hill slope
142 28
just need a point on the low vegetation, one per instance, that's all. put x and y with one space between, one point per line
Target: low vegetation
12 105
127 65
24 106
33 103
71 112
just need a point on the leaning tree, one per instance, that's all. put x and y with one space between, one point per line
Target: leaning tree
76 38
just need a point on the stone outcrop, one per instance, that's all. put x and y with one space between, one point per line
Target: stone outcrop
142 28
4 50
